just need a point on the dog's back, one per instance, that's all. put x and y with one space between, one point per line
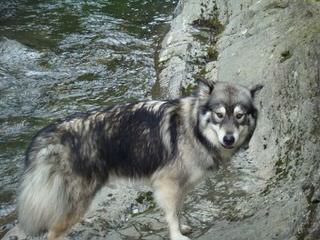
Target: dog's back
83 150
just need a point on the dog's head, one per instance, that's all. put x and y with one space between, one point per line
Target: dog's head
227 116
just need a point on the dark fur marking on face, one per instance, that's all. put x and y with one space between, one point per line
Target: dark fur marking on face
211 106
231 90
205 108
202 139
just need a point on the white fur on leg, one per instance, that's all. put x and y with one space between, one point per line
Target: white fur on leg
52 236
169 197
173 222
180 237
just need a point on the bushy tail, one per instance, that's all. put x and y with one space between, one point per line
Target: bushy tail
42 199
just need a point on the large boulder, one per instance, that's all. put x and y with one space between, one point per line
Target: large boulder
276 43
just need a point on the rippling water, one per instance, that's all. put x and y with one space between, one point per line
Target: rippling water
59 57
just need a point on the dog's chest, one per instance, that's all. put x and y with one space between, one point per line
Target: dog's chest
198 165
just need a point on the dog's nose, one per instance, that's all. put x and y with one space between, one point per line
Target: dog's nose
228 139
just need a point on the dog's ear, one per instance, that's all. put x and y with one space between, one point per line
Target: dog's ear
205 87
254 89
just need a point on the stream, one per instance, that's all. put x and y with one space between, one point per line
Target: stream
61 57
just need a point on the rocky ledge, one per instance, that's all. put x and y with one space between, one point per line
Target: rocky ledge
275 43
270 191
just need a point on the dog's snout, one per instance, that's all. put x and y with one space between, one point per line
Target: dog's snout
228 139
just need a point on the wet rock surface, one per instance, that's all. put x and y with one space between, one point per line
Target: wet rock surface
271 191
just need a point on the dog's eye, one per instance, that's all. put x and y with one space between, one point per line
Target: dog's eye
239 116
219 115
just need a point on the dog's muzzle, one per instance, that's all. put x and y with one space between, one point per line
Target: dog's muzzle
228 141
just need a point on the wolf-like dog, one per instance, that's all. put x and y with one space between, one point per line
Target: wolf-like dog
173 144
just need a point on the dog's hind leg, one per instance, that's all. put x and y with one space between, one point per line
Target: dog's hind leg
78 207
169 196
59 229
62 225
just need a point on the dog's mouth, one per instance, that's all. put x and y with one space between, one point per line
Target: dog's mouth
227 146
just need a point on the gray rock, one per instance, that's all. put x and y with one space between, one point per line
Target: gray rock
130 232
15 233
179 48
275 43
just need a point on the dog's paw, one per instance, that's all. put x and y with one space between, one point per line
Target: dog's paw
179 237
185 229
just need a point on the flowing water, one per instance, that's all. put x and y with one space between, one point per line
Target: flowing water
59 57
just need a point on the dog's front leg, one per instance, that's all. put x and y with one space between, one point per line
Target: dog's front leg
170 198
